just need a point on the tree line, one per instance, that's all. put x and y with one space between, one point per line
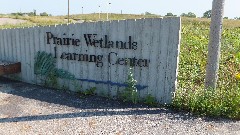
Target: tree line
34 13
206 14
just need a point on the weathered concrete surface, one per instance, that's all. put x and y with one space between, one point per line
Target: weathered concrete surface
150 45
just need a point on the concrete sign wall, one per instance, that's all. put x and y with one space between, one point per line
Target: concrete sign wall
99 55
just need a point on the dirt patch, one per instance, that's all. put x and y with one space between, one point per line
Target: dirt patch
11 21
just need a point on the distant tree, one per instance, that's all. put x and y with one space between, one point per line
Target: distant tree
169 14
148 13
207 14
236 18
31 14
44 14
189 14
225 17
35 12
183 15
18 14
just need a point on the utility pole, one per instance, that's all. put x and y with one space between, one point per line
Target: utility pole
82 10
68 11
108 9
99 12
214 44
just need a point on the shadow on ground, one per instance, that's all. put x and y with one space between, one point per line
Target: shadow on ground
98 106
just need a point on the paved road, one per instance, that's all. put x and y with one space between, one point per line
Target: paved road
28 110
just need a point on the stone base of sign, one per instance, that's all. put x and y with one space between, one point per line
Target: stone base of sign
9 67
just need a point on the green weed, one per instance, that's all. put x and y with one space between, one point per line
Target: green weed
130 93
150 100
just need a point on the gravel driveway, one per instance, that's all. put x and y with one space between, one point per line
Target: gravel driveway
28 110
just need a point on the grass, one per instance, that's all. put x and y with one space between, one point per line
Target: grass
190 95
215 103
52 20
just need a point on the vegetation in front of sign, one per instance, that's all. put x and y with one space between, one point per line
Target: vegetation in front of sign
212 102
150 100
220 102
45 68
130 93
90 92
87 92
191 94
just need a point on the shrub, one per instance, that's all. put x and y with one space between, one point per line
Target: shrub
216 103
130 93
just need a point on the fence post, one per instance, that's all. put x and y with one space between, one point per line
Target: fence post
214 44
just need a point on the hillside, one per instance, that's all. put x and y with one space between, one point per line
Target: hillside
27 21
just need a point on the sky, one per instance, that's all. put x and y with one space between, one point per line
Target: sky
159 7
